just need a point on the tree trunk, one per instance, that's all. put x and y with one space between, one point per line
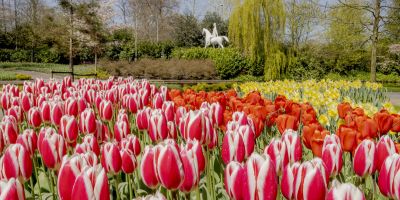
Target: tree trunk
375 34
3 21
34 4
136 36
71 59
16 23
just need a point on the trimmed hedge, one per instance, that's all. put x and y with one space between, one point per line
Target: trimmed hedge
229 62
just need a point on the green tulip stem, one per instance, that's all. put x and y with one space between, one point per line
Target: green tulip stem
129 186
116 185
32 187
50 180
36 174
198 192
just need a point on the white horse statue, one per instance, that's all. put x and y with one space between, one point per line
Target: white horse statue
214 40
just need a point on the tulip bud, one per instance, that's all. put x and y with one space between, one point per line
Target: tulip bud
261 181
158 128
92 183
310 182
344 191
288 180
87 121
239 117
384 148
28 139
142 118
69 128
235 175
9 129
26 101
233 148
56 112
45 111
179 115
389 175
168 108
365 158
248 139
52 149
71 106
11 189
169 164
111 158
157 101
195 126
17 163
148 170
34 117
16 112
132 143
129 162
332 157
5 100
70 169
195 146
106 110
276 151
133 103
191 170
293 146
217 113
89 143
172 132
121 130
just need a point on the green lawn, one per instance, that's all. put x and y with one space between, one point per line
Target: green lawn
46 67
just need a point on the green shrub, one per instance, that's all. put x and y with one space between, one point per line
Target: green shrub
209 87
20 56
23 77
229 62
249 78
5 55
47 56
146 50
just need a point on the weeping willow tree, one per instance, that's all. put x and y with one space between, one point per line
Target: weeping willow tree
257 27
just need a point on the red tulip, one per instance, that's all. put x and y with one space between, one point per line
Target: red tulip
168 108
56 112
332 157
52 148
106 110
17 163
233 147
195 146
288 177
233 179
248 139
148 170
28 139
169 165
384 121
344 191
26 101
365 158
293 149
9 129
158 127
69 128
92 183
179 114
284 122
142 118
396 123
348 138
239 117
191 170
276 151
129 162
132 143
157 101
310 182
71 106
34 117
260 180
197 126
16 112
389 177
102 132
71 168
344 109
45 111
121 129
87 121
133 102
89 143
217 114
5 100
11 189
111 158
384 148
